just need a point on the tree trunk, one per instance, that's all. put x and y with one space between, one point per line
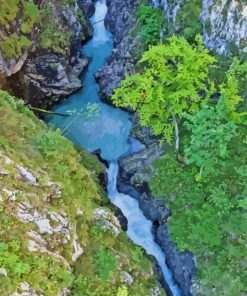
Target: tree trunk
177 140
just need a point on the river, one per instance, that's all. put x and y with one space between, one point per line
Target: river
94 124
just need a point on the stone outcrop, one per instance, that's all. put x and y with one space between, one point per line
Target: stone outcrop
225 25
120 20
43 75
87 7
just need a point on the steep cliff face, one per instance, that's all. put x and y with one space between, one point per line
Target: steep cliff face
170 7
224 22
225 25
120 20
40 57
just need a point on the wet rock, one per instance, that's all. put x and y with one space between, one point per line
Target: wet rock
43 76
47 77
122 219
181 263
134 173
139 165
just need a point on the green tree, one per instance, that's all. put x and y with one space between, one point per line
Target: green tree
168 85
106 263
211 131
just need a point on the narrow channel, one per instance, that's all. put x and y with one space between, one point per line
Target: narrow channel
94 124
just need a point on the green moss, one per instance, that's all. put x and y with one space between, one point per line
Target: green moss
53 35
8 11
14 45
30 14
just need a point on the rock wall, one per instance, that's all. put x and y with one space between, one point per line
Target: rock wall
48 66
224 22
120 20
170 7
225 25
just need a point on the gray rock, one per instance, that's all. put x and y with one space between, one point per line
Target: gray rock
225 25
224 22
26 175
87 7
109 220
181 263
128 279
120 20
47 77
3 272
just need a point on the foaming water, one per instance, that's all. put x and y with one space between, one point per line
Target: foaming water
139 228
109 130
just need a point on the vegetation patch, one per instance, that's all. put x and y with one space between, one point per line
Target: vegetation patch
204 181
66 184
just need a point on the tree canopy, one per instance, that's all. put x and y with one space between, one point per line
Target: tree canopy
173 80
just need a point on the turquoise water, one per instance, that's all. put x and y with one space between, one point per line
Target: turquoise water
108 128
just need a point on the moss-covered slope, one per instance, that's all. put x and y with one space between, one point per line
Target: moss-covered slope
54 239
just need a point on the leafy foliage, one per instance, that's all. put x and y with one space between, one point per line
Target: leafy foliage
122 291
168 85
30 16
206 189
51 143
8 11
211 129
106 263
151 20
14 45
188 22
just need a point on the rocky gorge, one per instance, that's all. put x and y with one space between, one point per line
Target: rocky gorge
42 76
48 68
224 27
